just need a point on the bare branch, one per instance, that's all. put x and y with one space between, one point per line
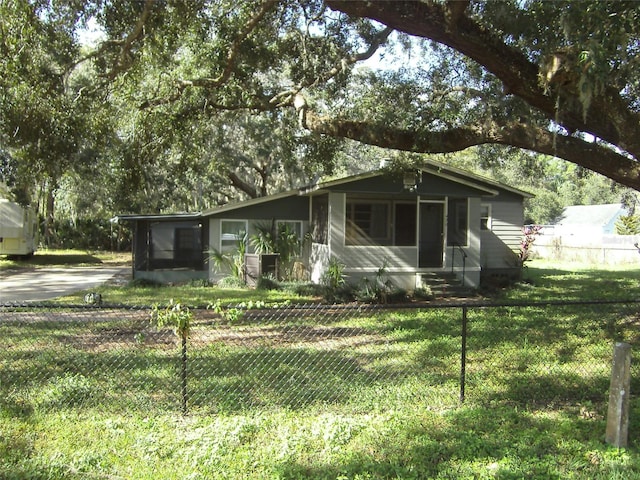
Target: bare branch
229 64
241 185
125 58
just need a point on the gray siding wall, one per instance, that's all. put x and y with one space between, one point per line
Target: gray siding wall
214 235
501 244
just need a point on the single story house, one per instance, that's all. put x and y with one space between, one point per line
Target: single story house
430 220
587 220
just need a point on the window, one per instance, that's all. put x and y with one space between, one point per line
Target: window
485 217
457 221
231 233
187 241
367 223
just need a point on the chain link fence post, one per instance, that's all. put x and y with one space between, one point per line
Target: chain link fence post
618 412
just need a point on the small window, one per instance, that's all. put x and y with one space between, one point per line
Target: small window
231 233
457 222
485 217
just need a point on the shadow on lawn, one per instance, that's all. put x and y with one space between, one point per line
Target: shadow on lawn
476 442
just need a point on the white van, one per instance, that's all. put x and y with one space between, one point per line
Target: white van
18 229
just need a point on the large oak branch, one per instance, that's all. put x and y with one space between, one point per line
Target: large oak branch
608 116
587 154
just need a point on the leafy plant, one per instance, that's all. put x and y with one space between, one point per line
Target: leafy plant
177 316
174 315
334 276
283 241
530 232
264 240
628 225
377 290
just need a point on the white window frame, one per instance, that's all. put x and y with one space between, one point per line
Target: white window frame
366 201
231 236
488 217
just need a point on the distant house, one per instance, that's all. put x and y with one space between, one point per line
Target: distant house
588 220
430 220
587 234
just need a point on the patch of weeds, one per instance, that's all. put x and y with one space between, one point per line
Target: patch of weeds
144 283
68 391
267 282
423 293
15 405
231 282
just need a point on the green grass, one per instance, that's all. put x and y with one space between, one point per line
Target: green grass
368 396
137 295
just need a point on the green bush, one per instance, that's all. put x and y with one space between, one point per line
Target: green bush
231 282
344 293
144 283
266 282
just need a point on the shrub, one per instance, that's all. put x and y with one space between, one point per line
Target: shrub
231 282
344 293
267 282
423 293
303 289
144 282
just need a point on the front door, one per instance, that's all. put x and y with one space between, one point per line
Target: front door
431 242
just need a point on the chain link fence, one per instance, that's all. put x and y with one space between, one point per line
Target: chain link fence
356 357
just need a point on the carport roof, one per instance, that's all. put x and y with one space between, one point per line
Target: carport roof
156 217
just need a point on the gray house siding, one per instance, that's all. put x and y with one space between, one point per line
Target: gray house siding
411 225
263 212
501 244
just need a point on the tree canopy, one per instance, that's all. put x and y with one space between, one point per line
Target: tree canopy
259 94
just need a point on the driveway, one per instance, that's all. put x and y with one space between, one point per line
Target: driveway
47 283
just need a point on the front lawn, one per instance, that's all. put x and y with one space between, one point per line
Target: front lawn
407 427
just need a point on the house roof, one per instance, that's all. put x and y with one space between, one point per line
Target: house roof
483 184
595 215
432 167
157 217
250 202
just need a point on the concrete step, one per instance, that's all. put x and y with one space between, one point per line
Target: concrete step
446 284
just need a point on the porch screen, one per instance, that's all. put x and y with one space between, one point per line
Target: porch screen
367 223
457 222
320 218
